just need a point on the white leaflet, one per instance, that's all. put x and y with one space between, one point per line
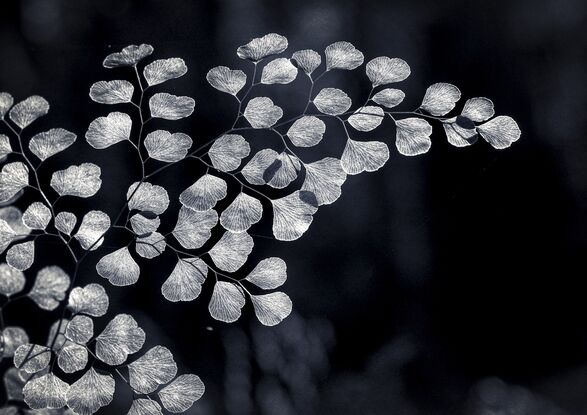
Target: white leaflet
12 281
106 131
324 179
226 302
384 70
47 391
91 300
193 228
28 110
307 59
81 181
72 357
440 98
343 55
478 109
163 70
332 101
150 246
500 132
11 338
261 112
171 107
80 329
119 268
90 392
185 281
65 222
49 287
144 406
21 256
13 178
360 156
36 216
204 193
292 215
226 80
90 233
389 97
32 358
231 251
261 47
227 152
156 367
112 92
306 131
6 102
5 147
272 308
242 213
147 197
413 136
269 273
181 394
366 118
164 146
49 143
129 56
121 337
279 71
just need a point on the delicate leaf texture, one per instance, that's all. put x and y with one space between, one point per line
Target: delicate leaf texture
193 229
181 394
324 179
151 246
13 178
106 131
147 198
307 59
6 102
366 118
261 47
81 181
360 156
231 251
27 111
121 337
145 407
72 357
164 146
32 358
12 216
270 273
119 268
65 222
254 170
306 131
389 97
478 109
343 55
80 329
91 300
12 281
11 338
156 367
171 107
37 216
272 308
47 391
91 392
242 213
129 56
226 80
7 235
50 287
413 136
500 132
226 302
292 215
163 70
13 383
112 92
49 143
440 98
94 225
332 101
185 281
282 171
262 113
56 338
5 148
204 193
21 256
384 70
460 131
227 152
143 226
279 71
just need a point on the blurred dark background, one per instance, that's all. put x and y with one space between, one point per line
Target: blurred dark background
450 283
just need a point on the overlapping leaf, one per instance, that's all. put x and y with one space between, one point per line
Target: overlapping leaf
156 367
81 181
413 136
147 197
231 251
150 246
94 225
366 118
65 222
90 392
185 281
49 287
242 213
324 179
121 337
181 394
500 132
193 228
46 391
293 214
204 193
32 358
91 300
129 56
227 152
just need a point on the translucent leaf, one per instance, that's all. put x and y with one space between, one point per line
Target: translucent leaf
254 170
440 98
226 80
150 246
279 71
32 358
193 228
36 216
262 113
204 193
292 215
145 407
163 70
91 300
185 281
458 133
242 213
272 308
119 268
269 273
306 131
500 132
11 338
231 251
360 156
227 152
91 392
13 178
21 256
156 367
143 226
478 109
56 338
50 287
147 198
366 118
91 232
47 391
307 59
49 143
27 111
13 383
181 394
332 101
72 358
7 235
6 102
164 146
384 70
282 171
226 302
5 147
413 136
389 97
106 131
12 216
343 55
121 337
81 181
12 281
80 329
171 107
261 47
324 179
129 56
65 222
112 92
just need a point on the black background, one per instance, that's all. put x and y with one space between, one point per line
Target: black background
424 278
